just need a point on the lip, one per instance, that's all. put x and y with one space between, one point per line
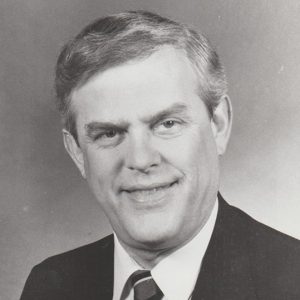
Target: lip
150 193
147 187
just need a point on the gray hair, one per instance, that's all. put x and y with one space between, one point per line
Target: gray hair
116 39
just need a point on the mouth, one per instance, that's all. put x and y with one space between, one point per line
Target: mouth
149 193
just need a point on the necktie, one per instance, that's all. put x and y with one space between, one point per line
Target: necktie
144 286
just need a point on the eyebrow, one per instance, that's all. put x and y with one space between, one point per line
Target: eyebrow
94 126
175 109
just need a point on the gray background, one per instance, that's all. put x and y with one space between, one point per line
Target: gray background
45 206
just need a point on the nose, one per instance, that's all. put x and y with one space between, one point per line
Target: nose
141 153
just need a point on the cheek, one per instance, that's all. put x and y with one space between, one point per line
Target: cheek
190 151
100 167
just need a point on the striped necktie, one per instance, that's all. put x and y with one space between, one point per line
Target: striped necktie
144 286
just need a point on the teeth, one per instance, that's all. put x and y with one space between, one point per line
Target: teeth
153 190
149 195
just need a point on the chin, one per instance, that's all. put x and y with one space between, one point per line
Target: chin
154 238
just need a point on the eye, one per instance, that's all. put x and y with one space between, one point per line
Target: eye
109 138
168 128
110 133
169 123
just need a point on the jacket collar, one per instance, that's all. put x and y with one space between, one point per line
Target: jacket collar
226 267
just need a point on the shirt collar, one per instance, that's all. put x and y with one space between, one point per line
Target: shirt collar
177 273
124 266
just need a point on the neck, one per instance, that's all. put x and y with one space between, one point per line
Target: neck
147 258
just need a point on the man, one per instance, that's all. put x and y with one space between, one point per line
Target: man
146 117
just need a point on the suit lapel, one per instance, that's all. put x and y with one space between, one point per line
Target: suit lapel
226 268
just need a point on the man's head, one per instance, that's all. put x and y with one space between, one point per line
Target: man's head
149 116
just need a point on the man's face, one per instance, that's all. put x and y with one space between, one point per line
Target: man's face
148 149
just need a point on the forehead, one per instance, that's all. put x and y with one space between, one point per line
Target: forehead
137 87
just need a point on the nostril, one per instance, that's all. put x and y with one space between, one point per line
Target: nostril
142 159
143 169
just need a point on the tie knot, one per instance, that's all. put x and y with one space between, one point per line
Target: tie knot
144 286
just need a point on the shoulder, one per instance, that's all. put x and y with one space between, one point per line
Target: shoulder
83 255
63 276
261 236
274 256
275 259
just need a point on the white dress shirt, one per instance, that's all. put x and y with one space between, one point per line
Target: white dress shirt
175 274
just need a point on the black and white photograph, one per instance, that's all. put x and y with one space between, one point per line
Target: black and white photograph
150 150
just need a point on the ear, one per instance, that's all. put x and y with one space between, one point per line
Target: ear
74 151
221 123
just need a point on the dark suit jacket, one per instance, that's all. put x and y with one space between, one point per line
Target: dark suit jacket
244 260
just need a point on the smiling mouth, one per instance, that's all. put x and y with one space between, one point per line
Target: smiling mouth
149 193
